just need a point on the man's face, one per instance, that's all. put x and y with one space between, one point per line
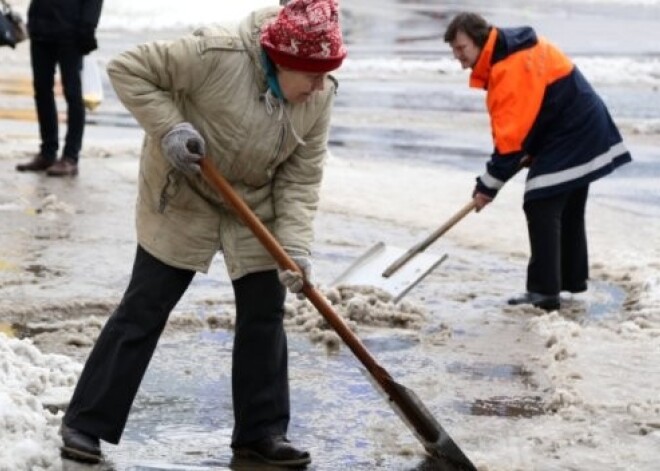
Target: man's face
465 50
298 87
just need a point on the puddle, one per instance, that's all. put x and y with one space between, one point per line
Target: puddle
389 344
606 305
500 406
183 412
602 301
489 371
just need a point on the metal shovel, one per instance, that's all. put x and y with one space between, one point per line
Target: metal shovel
382 265
405 402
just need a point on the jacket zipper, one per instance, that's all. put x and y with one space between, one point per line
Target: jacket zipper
280 144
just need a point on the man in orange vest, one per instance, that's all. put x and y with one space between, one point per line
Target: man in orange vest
546 116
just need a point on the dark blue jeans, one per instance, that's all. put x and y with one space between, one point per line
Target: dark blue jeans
45 56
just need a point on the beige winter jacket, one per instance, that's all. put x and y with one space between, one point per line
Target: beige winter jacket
215 80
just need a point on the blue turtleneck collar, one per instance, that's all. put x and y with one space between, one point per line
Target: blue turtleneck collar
271 76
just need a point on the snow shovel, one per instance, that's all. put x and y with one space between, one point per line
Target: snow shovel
404 401
382 265
368 268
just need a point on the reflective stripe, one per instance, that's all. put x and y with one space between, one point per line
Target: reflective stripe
491 182
574 173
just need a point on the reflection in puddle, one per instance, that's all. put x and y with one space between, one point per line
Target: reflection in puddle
389 344
489 371
500 406
606 299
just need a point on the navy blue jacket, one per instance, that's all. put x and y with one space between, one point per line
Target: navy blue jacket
541 106
62 19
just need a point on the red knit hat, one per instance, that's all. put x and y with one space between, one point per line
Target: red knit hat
305 36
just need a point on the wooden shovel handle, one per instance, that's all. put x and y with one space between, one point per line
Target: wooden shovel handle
421 246
285 262
436 441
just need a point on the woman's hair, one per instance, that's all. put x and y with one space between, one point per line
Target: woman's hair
472 24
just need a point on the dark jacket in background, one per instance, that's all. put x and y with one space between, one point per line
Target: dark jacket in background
63 19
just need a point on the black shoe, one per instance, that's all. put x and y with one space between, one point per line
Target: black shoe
65 167
79 446
39 163
275 450
547 302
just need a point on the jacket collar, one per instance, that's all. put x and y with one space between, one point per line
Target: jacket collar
481 70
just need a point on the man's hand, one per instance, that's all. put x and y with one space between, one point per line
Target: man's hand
481 200
87 41
184 147
293 280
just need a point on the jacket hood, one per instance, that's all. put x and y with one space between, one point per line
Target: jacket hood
249 30
515 39
501 43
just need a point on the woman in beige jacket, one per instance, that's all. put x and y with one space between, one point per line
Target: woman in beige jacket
257 102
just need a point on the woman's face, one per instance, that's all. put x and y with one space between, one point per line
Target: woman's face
298 86
465 50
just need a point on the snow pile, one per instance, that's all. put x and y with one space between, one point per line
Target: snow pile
560 337
30 381
358 306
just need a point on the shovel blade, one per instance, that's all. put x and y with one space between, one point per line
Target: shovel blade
436 441
421 422
368 270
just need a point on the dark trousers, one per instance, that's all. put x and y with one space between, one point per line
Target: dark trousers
559 259
116 365
45 56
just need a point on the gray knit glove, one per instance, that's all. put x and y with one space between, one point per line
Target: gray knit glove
184 147
293 280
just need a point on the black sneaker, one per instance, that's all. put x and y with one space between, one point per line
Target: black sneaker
79 446
275 450
547 302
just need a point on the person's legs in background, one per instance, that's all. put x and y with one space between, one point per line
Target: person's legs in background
70 60
43 56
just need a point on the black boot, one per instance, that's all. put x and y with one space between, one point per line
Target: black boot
275 450
65 167
79 446
39 163
547 302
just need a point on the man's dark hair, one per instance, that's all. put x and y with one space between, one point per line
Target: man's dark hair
472 24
